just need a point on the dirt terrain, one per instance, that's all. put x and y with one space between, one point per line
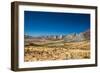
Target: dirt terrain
57 51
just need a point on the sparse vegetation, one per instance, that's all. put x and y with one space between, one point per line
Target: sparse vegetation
57 51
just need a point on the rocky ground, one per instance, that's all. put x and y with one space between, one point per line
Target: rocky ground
75 50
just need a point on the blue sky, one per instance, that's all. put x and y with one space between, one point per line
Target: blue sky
52 23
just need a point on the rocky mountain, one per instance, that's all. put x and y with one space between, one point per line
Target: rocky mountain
73 37
27 36
87 34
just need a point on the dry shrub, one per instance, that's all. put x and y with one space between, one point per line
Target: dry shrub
76 50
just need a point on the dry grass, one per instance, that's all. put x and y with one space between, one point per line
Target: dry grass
75 50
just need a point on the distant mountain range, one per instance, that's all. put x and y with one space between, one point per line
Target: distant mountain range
73 37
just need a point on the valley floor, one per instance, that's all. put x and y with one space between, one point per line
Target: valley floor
66 51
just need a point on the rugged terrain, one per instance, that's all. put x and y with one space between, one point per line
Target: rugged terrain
62 47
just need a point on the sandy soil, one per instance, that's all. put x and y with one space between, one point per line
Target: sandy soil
72 50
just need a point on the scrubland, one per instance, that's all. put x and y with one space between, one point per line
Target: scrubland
57 51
